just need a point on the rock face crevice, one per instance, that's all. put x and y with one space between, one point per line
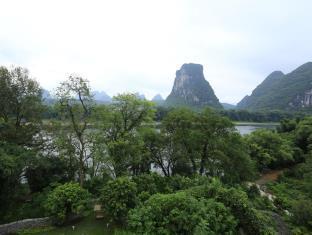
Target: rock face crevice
191 89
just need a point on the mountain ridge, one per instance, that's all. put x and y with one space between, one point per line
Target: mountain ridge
282 91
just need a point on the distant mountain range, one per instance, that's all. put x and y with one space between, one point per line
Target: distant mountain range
278 91
158 99
192 89
101 97
281 91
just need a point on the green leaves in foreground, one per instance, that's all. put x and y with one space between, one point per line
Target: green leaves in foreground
66 200
118 197
181 213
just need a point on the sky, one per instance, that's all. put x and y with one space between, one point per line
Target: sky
137 45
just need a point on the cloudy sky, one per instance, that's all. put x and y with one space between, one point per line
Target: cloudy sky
137 45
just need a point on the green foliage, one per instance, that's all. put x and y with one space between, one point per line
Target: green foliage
287 125
239 115
44 170
66 200
75 104
118 197
302 211
13 160
250 219
122 126
20 106
35 230
303 134
269 149
180 213
283 92
293 192
203 142
151 183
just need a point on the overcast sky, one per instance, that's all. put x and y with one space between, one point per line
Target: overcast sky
137 45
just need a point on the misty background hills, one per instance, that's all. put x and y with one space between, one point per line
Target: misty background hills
278 91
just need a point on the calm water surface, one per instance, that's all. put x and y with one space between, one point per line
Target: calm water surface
244 128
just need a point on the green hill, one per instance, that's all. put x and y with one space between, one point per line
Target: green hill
281 92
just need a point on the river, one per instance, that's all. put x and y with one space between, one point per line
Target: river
245 128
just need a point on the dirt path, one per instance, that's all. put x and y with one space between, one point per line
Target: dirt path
265 178
270 176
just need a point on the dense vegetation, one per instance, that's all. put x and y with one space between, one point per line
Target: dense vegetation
239 115
278 91
189 174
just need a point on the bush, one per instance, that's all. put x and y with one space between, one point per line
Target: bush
151 183
65 201
118 197
181 213
237 201
302 212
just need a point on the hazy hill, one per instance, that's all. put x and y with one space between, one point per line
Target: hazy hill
101 97
158 99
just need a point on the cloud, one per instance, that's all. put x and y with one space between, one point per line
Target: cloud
138 45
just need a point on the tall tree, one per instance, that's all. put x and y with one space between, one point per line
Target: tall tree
76 104
179 128
20 106
122 125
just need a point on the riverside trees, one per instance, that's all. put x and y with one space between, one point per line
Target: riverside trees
75 103
199 153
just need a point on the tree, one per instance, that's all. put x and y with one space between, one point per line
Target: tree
214 130
65 201
118 197
206 143
13 160
180 131
181 213
160 149
269 149
121 127
303 134
76 104
20 106
303 213
42 170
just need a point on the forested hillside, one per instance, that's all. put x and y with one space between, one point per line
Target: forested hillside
281 92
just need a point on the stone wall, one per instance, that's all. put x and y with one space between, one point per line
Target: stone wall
24 224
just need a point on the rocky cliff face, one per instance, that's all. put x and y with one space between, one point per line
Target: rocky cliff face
191 89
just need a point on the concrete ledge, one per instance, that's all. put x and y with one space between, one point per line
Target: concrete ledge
14 227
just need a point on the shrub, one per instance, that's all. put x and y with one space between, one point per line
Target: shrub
118 197
302 211
66 200
237 201
181 213
151 183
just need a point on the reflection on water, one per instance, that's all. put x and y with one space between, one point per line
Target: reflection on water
247 129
